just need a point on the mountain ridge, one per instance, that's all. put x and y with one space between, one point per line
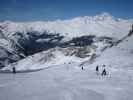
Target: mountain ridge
103 24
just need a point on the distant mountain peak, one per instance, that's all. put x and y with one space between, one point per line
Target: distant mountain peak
105 14
103 24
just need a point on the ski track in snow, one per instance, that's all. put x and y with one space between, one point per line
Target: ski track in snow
63 83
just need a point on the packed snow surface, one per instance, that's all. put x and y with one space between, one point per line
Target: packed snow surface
67 82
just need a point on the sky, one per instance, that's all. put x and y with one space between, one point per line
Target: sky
43 10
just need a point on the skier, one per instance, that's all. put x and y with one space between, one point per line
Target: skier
14 70
82 68
97 69
104 73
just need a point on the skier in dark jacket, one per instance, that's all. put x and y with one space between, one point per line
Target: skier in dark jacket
14 70
97 68
104 73
82 67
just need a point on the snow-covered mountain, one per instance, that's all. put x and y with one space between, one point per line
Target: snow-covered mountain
100 25
82 37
